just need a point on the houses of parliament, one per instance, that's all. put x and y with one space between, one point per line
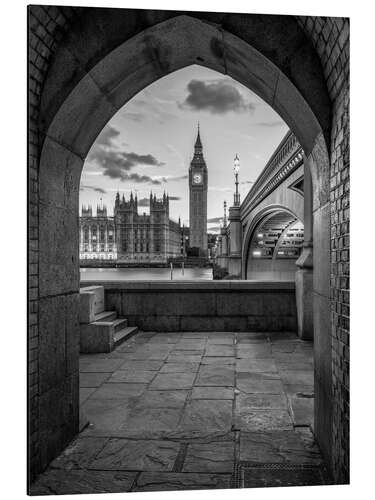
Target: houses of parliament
130 238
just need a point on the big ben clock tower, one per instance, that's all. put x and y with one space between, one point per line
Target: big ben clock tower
198 179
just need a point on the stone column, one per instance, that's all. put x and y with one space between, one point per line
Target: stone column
304 273
224 248
235 236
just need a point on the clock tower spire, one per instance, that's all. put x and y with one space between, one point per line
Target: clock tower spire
198 180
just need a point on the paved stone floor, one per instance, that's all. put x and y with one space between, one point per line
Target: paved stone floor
172 411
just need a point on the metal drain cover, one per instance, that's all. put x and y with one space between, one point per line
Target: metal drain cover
250 475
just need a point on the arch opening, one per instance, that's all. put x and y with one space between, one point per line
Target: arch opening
274 247
70 131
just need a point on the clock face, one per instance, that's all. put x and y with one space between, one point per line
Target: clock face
197 178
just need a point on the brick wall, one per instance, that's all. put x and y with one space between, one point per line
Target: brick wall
46 27
330 37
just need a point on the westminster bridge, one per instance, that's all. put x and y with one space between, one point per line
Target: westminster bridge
269 235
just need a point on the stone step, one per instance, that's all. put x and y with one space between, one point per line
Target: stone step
105 316
124 334
91 303
101 336
119 324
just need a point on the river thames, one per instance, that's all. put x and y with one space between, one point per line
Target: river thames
144 273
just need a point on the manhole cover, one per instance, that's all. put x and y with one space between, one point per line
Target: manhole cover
250 475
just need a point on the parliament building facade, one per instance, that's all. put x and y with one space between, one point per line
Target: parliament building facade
128 238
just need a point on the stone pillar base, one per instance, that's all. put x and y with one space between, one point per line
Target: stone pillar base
234 267
304 299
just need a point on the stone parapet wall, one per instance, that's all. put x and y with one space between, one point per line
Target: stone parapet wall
204 306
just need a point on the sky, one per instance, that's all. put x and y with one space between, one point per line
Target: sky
149 143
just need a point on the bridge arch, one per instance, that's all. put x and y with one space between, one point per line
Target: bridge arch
260 255
95 70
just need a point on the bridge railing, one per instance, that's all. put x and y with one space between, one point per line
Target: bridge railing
287 157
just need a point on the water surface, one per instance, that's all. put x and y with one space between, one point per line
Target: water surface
144 273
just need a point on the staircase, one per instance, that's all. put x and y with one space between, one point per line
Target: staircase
100 330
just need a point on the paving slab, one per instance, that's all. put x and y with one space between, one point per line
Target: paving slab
302 410
134 364
58 482
175 367
259 383
297 377
212 393
190 345
181 481
253 351
243 336
213 375
209 457
118 391
178 356
219 350
170 381
162 399
218 360
256 365
136 455
276 447
105 365
93 379
107 414
262 420
220 341
248 402
206 416
84 393
79 453
150 422
132 376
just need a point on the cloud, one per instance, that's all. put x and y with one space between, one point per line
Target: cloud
139 178
216 97
116 164
247 182
214 219
106 136
145 202
221 189
92 188
275 123
135 117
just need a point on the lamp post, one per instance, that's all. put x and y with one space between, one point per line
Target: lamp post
236 169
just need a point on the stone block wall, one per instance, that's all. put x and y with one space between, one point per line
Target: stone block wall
205 306
46 26
330 37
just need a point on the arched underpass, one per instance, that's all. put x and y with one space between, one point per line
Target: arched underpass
85 85
275 247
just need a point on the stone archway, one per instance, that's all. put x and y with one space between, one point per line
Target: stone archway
265 237
82 92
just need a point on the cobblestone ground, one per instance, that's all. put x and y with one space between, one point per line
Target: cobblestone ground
172 411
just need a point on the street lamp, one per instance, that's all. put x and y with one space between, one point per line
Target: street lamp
236 169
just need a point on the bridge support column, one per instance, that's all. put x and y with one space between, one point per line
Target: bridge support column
304 274
223 255
235 236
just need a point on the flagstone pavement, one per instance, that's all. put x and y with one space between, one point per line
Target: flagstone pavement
172 411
